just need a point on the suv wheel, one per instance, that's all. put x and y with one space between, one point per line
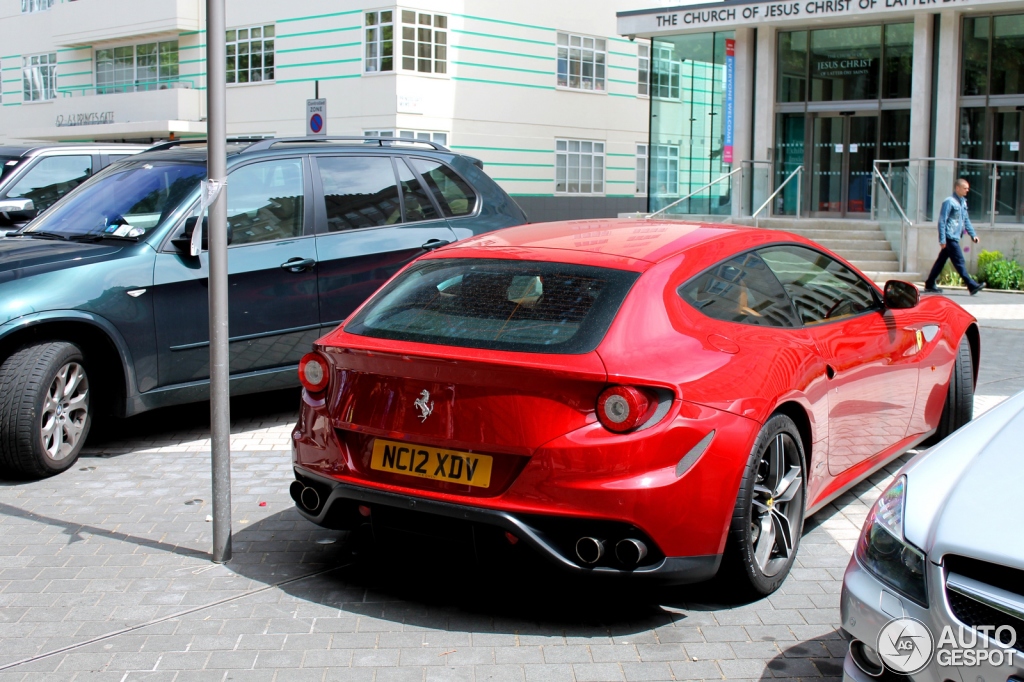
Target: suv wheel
44 408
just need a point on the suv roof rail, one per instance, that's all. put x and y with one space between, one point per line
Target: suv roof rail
268 143
171 144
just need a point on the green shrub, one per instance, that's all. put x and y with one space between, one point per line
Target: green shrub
986 258
1004 274
949 277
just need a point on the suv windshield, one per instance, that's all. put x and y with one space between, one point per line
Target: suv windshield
127 202
498 304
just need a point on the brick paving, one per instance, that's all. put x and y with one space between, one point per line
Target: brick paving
105 575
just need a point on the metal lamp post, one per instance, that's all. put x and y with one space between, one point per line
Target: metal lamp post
220 406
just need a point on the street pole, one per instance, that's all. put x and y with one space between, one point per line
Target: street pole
220 405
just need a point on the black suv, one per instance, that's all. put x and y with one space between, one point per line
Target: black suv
103 309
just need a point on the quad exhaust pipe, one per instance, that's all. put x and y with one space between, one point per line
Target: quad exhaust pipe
304 495
629 552
589 550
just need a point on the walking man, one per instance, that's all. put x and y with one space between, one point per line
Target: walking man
953 220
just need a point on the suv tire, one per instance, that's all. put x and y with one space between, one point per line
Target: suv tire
45 411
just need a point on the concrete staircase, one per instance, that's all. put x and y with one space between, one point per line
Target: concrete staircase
861 242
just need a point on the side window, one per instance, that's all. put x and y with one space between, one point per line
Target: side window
821 288
417 203
52 178
741 289
453 193
359 192
265 201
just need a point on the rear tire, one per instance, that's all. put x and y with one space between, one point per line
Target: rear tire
45 410
768 518
958 408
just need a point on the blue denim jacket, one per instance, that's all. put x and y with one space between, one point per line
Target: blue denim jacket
953 219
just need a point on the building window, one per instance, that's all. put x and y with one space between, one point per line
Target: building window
39 75
641 169
425 135
250 54
643 70
424 42
151 66
581 62
379 42
666 77
665 168
579 167
35 5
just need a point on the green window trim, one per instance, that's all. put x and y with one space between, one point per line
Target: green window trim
332 61
490 82
511 54
551 180
320 32
503 149
528 165
504 68
315 78
495 36
318 47
320 16
501 21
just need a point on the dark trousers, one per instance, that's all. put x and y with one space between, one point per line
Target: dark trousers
951 251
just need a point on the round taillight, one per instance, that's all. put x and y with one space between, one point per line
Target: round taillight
313 372
622 408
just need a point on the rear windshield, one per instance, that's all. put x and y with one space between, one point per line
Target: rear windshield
497 304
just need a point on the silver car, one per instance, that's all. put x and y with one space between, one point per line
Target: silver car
935 589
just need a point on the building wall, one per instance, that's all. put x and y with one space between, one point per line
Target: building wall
498 101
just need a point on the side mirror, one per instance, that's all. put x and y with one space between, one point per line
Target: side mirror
16 205
901 295
184 242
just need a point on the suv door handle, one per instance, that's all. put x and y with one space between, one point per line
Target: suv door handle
432 244
298 264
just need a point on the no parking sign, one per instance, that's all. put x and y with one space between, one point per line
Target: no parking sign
316 117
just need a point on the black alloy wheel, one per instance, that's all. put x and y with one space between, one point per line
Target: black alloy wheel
768 517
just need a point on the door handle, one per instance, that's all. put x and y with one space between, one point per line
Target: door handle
432 244
298 264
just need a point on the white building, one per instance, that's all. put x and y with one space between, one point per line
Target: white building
548 95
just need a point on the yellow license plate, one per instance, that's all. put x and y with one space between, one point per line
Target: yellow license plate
426 462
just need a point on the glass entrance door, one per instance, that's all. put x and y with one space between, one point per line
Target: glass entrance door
1007 140
842 152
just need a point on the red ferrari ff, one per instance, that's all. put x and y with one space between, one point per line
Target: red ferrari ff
626 397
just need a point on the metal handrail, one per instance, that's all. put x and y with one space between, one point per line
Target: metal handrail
798 169
904 220
698 191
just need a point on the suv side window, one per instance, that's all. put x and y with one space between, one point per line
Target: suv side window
821 288
265 201
51 178
417 204
359 192
741 289
453 193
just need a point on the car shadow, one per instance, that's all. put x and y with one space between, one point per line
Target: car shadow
168 422
821 658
